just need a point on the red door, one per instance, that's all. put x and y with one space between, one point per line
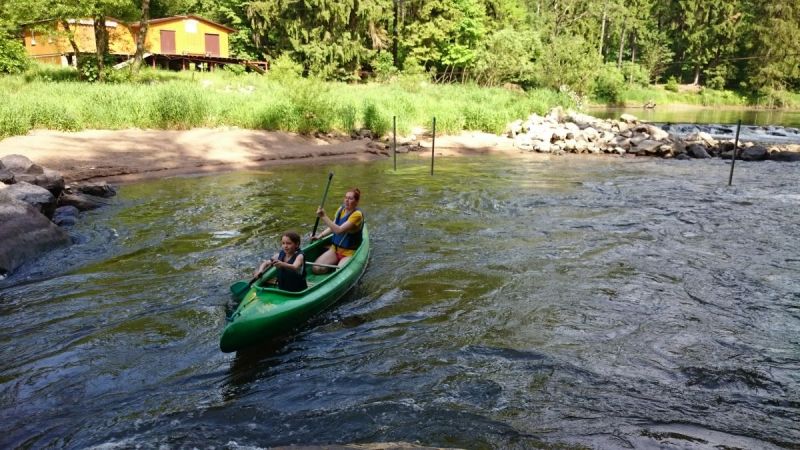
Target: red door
168 42
212 44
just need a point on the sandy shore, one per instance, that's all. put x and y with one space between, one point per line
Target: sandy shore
134 154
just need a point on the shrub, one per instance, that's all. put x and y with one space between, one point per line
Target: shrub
672 84
374 120
13 58
383 66
284 67
347 118
608 84
635 74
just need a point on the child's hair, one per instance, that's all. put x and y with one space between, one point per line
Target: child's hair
293 236
356 193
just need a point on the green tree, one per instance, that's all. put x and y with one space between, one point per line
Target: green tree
508 56
567 61
775 46
332 39
444 35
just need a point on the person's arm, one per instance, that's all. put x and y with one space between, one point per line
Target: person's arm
321 234
337 229
265 265
297 266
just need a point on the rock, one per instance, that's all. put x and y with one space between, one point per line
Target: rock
583 120
7 176
25 234
648 147
543 147
590 134
36 196
81 201
683 156
754 153
697 151
785 156
102 189
628 118
556 115
51 180
21 164
66 216
657 133
514 128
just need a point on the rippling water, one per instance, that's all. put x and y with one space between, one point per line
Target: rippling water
605 303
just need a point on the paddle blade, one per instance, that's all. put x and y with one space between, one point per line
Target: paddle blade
239 289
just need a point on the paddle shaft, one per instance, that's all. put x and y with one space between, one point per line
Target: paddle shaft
330 266
322 204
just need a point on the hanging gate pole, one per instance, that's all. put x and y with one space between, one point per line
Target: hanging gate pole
735 150
433 143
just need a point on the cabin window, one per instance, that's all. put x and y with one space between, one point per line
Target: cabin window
191 26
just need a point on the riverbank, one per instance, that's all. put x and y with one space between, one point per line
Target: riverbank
121 156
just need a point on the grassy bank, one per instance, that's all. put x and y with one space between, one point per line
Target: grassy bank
635 96
52 99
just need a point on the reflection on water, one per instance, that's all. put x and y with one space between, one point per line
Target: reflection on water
508 303
699 115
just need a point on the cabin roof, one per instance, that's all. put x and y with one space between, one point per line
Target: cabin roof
188 16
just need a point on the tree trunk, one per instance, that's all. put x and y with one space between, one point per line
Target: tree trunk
696 81
621 48
603 30
395 34
101 43
138 57
71 38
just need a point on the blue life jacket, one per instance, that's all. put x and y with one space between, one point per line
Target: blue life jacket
350 240
288 279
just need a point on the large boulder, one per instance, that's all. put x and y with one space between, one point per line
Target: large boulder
697 151
21 164
25 234
785 156
36 196
754 153
49 179
23 169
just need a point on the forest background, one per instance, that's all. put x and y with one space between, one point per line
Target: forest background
737 52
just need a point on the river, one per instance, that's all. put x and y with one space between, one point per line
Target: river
508 303
700 115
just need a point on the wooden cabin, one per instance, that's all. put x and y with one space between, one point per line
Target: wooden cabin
187 35
47 41
175 43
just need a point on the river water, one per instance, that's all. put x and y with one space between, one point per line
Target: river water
508 303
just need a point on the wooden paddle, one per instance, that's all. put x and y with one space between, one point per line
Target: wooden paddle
240 288
322 204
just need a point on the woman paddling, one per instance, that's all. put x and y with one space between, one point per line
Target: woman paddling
346 228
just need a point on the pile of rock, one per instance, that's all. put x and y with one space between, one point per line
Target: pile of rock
34 202
570 132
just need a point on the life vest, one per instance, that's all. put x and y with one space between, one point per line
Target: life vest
288 279
351 240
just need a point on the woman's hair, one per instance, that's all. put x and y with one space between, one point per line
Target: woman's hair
293 236
356 193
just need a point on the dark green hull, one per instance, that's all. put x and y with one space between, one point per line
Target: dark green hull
267 312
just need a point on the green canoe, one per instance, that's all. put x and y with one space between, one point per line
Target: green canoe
266 312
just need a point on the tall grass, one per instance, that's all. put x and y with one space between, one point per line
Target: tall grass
55 99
